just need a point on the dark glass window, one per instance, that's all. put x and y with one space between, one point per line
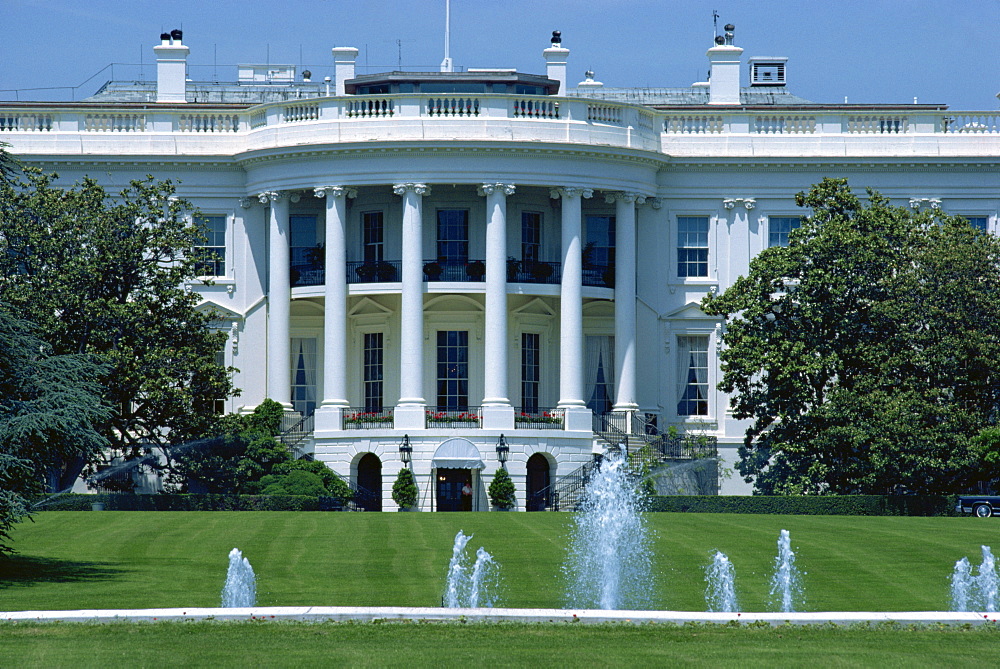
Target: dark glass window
453 236
452 370
600 248
779 227
978 222
692 372
692 246
373 356
453 88
373 236
530 371
214 246
531 235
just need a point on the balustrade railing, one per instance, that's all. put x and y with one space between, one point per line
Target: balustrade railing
301 112
779 124
539 418
208 123
370 108
360 418
694 124
112 122
378 271
535 108
453 106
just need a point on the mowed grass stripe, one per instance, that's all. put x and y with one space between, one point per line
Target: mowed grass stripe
71 560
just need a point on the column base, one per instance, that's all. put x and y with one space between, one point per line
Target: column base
578 419
498 417
329 417
409 417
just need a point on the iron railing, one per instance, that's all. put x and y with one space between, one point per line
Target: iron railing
533 271
455 270
360 418
368 271
599 275
539 418
455 418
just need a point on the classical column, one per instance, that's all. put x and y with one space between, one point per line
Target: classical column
409 412
625 360
571 398
497 412
328 415
279 300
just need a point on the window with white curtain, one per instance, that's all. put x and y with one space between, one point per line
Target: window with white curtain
599 368
692 375
303 367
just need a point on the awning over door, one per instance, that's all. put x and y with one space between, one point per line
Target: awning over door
457 453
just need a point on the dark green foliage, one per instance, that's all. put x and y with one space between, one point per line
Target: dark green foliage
865 354
502 490
297 482
106 275
404 491
191 502
810 505
50 406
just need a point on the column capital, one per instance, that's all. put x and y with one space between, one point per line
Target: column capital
568 191
499 187
747 202
654 202
269 196
627 197
335 191
418 188
247 202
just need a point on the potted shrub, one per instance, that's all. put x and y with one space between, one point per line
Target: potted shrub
405 491
476 270
513 267
367 272
433 270
608 277
541 270
502 491
385 271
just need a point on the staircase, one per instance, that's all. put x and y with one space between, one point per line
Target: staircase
296 433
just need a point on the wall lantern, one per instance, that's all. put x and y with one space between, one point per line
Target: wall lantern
503 450
405 450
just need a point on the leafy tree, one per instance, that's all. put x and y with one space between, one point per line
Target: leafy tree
7 163
502 493
50 409
404 490
106 275
865 353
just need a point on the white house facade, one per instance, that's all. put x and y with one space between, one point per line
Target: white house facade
448 270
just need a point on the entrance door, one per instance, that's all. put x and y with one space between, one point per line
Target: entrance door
454 490
370 482
538 483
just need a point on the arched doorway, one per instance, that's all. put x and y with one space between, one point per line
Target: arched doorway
539 494
457 466
369 495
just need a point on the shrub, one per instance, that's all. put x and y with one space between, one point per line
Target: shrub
298 482
404 491
502 490
835 505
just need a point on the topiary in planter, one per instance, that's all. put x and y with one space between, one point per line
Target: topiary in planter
502 490
404 491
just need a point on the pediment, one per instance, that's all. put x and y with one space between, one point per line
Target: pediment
535 307
691 310
369 307
217 310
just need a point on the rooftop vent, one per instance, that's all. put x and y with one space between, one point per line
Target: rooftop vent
767 71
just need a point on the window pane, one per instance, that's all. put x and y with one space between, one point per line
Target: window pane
692 246
779 227
373 236
978 222
692 374
452 370
373 371
453 236
530 371
214 229
531 235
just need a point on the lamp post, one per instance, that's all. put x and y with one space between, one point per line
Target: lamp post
405 450
503 450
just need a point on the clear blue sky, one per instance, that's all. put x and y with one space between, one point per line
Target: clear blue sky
877 51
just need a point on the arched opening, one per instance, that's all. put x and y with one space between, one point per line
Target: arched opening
369 495
538 492
457 466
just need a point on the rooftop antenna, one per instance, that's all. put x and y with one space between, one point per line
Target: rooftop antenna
446 64
715 23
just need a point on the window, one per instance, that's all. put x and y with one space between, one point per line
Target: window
452 370
373 236
978 222
453 236
304 358
214 246
692 246
599 370
531 236
692 376
530 371
779 227
219 403
306 254
600 248
373 356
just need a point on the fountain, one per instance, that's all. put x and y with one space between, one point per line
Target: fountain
786 584
241 583
962 586
987 584
609 564
720 585
470 586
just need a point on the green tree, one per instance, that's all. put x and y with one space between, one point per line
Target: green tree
865 353
502 493
107 275
50 410
404 490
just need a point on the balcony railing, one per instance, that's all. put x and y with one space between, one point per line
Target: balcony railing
454 270
599 275
455 418
360 418
539 418
533 271
368 271
306 272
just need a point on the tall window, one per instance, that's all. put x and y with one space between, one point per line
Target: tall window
453 236
306 255
531 235
214 246
530 371
692 246
599 250
599 370
452 370
219 403
692 376
978 222
373 236
373 355
779 227
304 359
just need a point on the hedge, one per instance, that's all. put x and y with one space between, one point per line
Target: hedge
811 505
206 502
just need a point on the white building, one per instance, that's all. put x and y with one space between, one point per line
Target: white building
444 259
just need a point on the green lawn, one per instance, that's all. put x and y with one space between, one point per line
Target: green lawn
108 559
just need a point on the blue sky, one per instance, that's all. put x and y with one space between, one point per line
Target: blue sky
876 51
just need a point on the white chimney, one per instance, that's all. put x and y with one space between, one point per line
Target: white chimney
555 61
344 57
724 60
171 68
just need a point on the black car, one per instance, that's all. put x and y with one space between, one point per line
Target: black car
983 506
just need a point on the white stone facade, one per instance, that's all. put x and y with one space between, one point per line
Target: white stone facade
572 228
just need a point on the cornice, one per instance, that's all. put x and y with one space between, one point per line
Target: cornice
740 164
214 163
